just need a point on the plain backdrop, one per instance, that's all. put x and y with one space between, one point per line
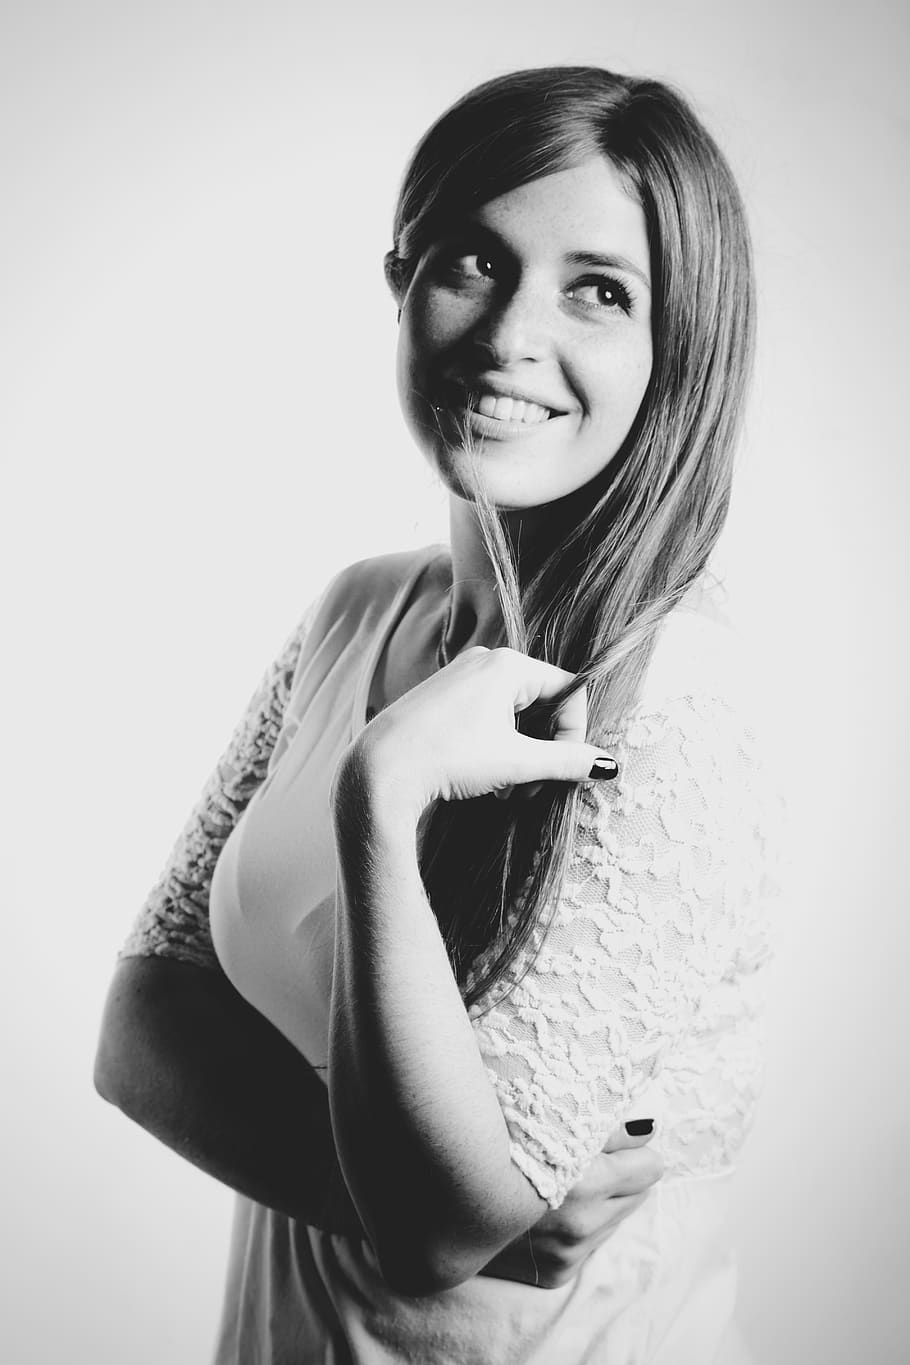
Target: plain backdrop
199 425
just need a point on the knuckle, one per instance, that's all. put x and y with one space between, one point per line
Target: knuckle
574 1227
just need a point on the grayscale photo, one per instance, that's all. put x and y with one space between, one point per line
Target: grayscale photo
453 519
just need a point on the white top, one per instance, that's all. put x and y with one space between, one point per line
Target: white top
642 1001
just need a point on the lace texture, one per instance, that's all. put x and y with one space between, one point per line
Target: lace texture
174 922
643 997
647 977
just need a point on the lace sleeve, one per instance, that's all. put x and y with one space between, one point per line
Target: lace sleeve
174 922
663 902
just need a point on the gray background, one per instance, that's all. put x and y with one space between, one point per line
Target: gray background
199 426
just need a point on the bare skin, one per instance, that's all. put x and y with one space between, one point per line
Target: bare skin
185 1057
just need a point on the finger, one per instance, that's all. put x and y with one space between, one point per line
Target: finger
561 760
533 680
633 1133
571 721
618 1210
634 1170
614 1173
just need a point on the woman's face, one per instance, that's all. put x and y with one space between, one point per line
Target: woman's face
529 325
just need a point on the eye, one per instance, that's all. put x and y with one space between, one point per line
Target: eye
474 265
601 292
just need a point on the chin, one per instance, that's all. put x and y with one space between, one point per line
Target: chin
504 493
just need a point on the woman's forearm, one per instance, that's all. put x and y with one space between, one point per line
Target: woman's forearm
420 1135
188 1059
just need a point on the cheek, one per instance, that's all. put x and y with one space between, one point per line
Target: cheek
639 378
434 320
412 350
418 348
617 385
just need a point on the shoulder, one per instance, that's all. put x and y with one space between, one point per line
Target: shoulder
377 580
703 682
698 734
698 654
695 766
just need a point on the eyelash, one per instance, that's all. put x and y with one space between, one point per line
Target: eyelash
623 297
454 264
624 300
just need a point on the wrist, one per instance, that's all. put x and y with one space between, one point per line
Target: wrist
371 796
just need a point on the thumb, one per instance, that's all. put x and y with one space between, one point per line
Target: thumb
563 760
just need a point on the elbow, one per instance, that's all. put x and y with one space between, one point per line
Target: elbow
110 1068
106 1076
426 1242
416 1259
420 1244
419 1272
116 1073
126 1069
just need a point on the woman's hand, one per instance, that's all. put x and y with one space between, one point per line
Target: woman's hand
455 737
551 1253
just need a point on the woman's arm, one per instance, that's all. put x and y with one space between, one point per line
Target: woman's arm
420 1133
180 1051
190 1061
185 1057
421 1137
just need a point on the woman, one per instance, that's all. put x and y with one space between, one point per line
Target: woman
496 951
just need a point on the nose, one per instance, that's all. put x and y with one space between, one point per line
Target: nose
517 326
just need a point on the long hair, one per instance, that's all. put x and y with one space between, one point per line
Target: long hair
626 549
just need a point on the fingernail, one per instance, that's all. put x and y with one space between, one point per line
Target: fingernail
640 1127
604 768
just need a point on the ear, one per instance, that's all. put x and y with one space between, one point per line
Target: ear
394 270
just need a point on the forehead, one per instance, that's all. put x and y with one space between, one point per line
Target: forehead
585 210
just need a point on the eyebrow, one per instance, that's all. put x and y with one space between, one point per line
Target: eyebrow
593 260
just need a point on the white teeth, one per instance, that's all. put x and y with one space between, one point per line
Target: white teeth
511 409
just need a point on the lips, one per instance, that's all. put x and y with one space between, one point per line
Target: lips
499 403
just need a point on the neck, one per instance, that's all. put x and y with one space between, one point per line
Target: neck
475 616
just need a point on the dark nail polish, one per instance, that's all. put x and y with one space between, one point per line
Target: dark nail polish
604 768
640 1127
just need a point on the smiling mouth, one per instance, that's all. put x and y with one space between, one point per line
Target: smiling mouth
520 410
497 409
